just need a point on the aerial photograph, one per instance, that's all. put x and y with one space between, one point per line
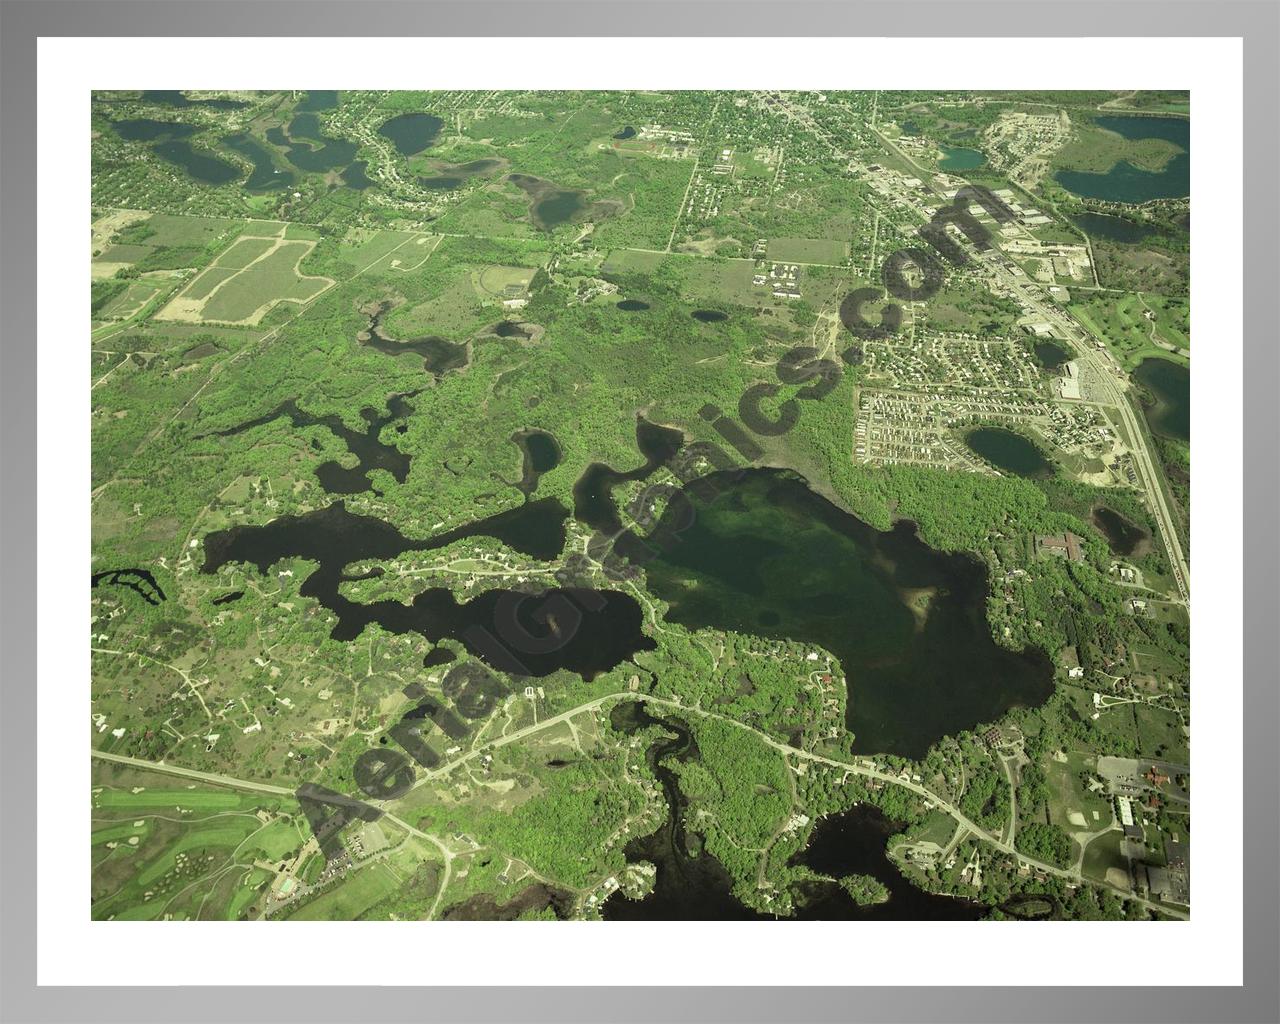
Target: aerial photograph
640 505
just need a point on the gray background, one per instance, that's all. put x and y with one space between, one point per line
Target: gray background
1257 22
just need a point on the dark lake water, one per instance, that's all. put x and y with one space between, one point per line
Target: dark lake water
1010 451
1123 537
523 633
853 843
439 355
1051 355
593 493
438 656
147 129
356 178
558 207
265 175
202 166
765 555
691 885
541 455
176 99
442 184
1125 183
687 887
709 316
411 133
309 149
1169 385
627 133
169 142
550 206
510 329
371 453
632 305
960 159
316 100
1115 229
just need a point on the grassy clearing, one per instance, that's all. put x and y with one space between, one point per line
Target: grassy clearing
131 300
179 799
171 231
1068 796
622 261
1103 855
243 252
1122 322
1160 734
202 287
273 279
808 250
125 253
351 898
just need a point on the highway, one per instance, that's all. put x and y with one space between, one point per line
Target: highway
1034 299
1105 369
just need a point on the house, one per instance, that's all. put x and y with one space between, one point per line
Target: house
1064 545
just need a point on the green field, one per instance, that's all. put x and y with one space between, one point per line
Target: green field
164 231
1121 322
271 280
243 252
808 250
350 898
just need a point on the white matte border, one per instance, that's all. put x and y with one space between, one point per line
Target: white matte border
73 950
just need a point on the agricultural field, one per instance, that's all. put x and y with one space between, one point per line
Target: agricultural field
532 506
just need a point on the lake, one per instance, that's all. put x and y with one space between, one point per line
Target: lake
853 843
692 885
1050 355
370 452
265 175
439 355
1009 451
1114 229
541 454
767 556
550 206
1125 183
558 207
176 99
1123 537
960 159
1169 385
593 503
169 142
320 152
355 176
632 305
411 133
521 632
317 100
147 129
202 166
709 316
